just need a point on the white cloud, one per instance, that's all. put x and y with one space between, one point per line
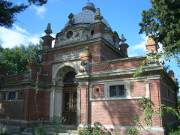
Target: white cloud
17 36
39 10
139 48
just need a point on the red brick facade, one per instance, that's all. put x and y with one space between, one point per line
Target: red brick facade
42 94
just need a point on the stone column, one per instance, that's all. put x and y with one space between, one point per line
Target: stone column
58 100
51 111
78 104
84 105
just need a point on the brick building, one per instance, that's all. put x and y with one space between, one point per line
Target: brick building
87 77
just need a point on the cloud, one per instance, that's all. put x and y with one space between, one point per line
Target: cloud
139 48
39 10
17 36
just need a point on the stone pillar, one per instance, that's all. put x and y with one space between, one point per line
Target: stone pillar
51 111
84 105
58 101
78 104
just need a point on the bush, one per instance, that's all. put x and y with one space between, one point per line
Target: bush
98 129
175 132
3 131
132 131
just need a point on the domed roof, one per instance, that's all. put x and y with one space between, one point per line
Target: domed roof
87 15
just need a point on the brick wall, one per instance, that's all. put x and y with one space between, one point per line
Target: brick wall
156 101
138 89
84 104
168 98
116 64
12 109
114 112
37 105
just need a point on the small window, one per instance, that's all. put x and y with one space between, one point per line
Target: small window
69 34
92 32
12 95
117 91
3 96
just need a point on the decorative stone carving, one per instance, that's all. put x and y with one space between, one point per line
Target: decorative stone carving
98 16
85 60
70 55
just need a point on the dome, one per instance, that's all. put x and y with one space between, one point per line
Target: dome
87 15
89 6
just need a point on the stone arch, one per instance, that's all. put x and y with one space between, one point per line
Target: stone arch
62 72
74 66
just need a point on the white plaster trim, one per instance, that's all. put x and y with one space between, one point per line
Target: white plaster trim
119 98
122 72
51 111
15 100
56 67
23 121
153 128
127 84
147 89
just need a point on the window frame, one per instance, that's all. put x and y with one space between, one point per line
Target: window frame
116 83
117 90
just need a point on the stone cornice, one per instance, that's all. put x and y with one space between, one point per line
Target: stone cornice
120 60
119 72
82 44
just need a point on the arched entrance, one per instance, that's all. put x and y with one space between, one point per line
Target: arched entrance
64 97
69 103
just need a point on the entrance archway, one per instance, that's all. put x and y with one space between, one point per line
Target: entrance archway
69 104
64 98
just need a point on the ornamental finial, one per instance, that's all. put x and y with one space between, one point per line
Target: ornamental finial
48 30
123 39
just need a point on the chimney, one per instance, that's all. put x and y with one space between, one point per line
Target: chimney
123 46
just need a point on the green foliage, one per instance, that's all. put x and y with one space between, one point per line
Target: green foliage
16 60
173 111
37 2
57 123
162 21
139 70
175 132
3 131
146 105
39 130
98 129
9 9
132 131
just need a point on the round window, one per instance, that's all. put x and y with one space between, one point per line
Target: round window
69 34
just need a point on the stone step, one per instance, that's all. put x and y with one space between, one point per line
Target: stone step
51 130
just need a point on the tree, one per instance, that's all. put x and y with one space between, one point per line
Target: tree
8 10
15 60
162 21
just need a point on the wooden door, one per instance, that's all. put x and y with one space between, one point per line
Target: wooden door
70 105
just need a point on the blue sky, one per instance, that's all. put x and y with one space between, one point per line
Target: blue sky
123 16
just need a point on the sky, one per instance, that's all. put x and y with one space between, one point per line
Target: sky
122 15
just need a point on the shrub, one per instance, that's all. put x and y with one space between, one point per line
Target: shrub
98 129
